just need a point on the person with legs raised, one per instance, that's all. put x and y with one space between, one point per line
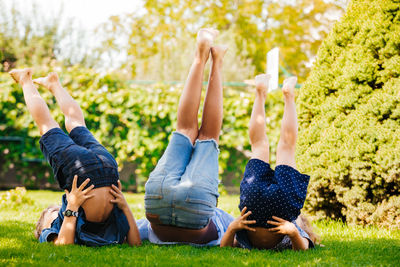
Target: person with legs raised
271 200
94 211
181 193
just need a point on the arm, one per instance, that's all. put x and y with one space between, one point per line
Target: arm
75 199
240 223
133 237
287 228
298 242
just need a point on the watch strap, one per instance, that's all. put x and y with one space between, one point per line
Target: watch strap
69 213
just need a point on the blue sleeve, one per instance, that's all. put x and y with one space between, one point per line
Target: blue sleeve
305 235
48 234
143 226
286 243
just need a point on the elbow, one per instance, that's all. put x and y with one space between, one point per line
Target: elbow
135 243
61 242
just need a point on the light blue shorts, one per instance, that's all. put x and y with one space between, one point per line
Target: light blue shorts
183 188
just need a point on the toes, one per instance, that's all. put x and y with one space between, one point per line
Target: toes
290 82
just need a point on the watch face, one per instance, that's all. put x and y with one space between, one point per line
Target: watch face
68 213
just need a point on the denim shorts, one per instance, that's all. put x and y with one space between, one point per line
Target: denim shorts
78 153
183 188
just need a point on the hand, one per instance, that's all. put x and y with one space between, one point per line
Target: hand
282 227
78 196
119 197
241 222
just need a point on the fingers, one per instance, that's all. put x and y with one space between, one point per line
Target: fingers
74 181
278 219
83 184
246 215
243 211
274 223
249 228
249 222
66 192
114 193
88 196
116 189
275 229
119 185
87 190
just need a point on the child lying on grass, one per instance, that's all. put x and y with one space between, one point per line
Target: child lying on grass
182 191
94 211
274 198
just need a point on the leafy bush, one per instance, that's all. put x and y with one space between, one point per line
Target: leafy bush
14 198
349 113
132 122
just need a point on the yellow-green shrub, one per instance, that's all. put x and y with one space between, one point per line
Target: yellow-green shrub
349 112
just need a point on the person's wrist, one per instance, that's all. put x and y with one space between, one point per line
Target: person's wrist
73 207
294 233
231 229
126 208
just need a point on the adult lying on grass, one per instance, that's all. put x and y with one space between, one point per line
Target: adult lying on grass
274 198
95 213
182 191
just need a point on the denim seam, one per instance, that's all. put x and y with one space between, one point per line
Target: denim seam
207 141
187 137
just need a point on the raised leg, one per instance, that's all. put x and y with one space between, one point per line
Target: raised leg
71 110
36 105
257 128
287 141
212 113
190 99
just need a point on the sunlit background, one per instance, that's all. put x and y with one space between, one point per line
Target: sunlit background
153 40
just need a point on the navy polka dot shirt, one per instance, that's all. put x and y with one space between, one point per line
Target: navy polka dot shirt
268 193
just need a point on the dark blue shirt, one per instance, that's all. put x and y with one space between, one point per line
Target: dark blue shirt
113 231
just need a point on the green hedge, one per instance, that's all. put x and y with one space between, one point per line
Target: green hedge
350 117
133 122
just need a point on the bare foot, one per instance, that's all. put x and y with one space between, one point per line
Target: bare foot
22 75
288 86
205 39
218 52
261 81
49 82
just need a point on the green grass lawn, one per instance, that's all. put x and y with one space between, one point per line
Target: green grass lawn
344 245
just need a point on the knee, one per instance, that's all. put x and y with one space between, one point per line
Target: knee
262 142
288 139
288 144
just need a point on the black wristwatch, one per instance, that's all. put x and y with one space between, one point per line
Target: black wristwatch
69 213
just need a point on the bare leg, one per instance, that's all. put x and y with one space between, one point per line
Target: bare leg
72 112
212 113
36 105
190 99
287 141
257 129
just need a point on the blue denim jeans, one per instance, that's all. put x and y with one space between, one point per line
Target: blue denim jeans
78 153
183 188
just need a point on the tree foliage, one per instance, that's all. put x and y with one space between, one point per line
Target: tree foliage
40 38
165 30
350 117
